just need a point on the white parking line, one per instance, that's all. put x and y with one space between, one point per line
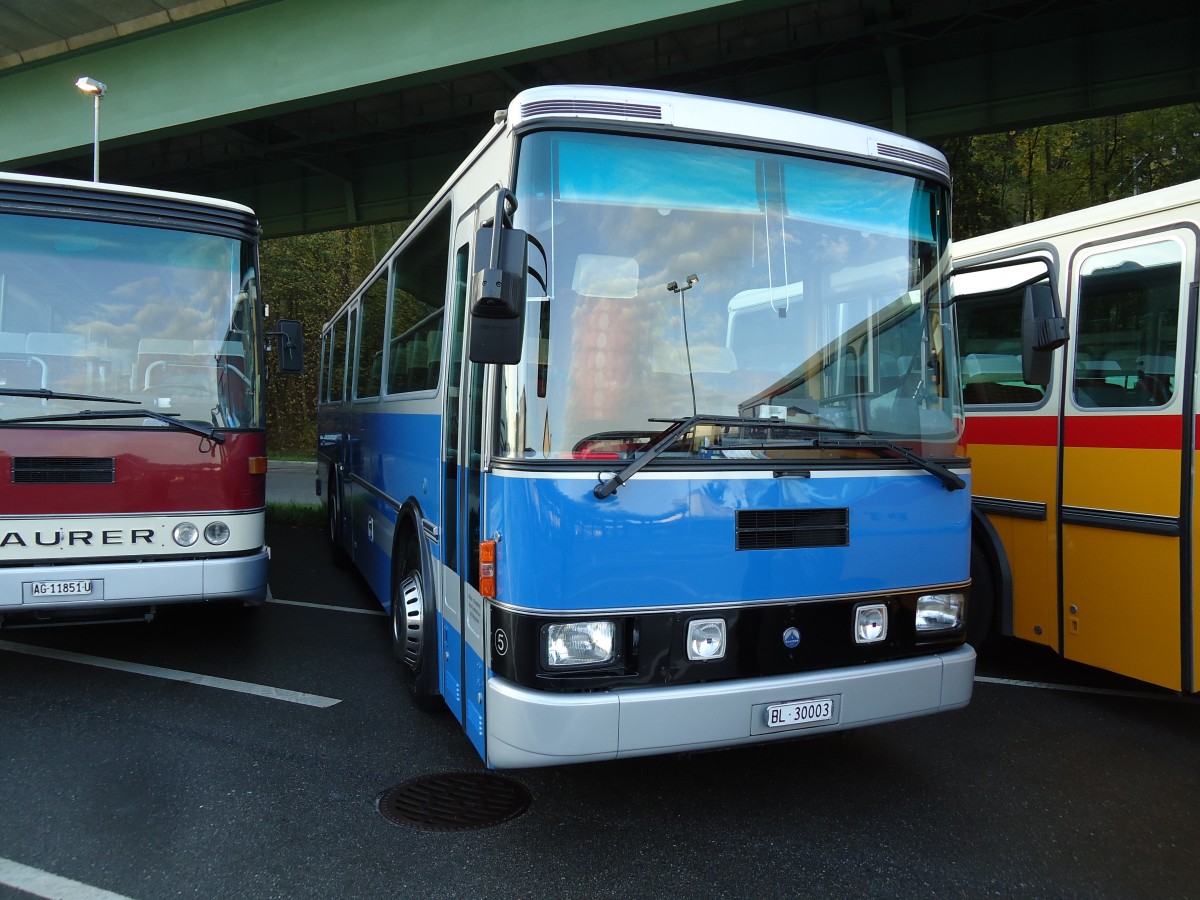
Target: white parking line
1079 689
345 609
43 884
225 684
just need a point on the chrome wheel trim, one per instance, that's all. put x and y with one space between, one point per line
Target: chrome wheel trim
412 605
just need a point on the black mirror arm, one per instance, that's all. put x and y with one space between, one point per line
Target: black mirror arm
287 340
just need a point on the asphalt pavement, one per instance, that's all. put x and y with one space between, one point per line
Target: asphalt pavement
292 481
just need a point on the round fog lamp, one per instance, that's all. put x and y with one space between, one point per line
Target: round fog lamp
185 534
216 532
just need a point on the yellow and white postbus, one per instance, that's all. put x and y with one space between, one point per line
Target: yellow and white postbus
1078 354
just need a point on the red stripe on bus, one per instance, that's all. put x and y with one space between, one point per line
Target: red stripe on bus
1136 432
1024 431
1125 432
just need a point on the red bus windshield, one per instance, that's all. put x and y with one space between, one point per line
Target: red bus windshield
153 316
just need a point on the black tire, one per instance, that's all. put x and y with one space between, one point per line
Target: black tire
333 519
981 610
414 637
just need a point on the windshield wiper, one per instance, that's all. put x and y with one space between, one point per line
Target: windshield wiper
682 426
206 431
951 481
858 440
47 394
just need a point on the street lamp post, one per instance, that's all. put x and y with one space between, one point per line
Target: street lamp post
97 89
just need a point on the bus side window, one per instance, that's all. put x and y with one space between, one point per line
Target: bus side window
337 361
370 345
991 349
323 375
418 309
1128 323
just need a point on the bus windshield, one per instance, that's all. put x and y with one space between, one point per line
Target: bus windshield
686 279
101 311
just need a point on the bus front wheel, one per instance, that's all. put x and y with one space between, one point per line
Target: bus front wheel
414 636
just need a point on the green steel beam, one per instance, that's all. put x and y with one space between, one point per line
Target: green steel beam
291 53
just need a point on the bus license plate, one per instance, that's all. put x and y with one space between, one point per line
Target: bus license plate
60 588
800 712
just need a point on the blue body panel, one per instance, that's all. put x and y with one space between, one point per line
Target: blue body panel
398 454
450 660
670 541
454 652
476 679
373 559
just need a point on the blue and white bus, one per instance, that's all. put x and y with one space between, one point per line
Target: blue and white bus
645 431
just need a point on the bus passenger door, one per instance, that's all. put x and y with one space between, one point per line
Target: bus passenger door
1127 456
1012 434
461 622
333 427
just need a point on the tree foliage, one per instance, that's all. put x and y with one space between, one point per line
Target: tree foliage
307 278
1016 177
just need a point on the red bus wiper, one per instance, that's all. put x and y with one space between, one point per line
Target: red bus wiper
47 394
206 431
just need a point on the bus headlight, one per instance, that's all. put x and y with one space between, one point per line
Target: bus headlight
216 533
185 534
940 612
573 644
870 623
706 639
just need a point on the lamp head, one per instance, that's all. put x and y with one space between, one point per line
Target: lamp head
91 86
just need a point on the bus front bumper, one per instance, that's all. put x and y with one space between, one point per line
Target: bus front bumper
147 583
535 728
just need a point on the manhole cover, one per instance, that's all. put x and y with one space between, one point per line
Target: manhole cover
455 801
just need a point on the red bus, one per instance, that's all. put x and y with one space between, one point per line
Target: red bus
132 438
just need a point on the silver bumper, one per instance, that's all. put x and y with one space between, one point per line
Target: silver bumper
147 583
534 728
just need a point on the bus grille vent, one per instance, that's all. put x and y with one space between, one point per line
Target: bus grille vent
63 470
591 108
904 153
783 529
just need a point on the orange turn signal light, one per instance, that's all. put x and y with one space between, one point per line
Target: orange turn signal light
258 465
487 569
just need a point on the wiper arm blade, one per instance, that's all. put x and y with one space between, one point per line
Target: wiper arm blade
652 450
206 431
951 481
47 394
682 426
856 440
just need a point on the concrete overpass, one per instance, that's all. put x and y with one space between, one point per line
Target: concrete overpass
325 114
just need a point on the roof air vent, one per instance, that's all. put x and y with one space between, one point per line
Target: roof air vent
568 107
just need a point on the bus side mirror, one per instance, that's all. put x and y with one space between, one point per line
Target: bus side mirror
1043 330
290 346
498 290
